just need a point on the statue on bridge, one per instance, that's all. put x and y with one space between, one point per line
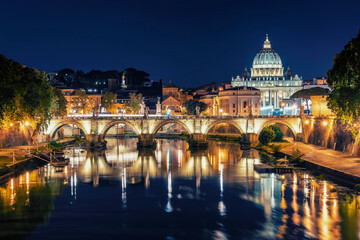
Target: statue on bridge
146 113
158 106
95 112
142 106
197 108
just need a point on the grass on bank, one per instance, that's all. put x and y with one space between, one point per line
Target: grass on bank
224 137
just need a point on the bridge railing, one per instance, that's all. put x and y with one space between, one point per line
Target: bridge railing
162 117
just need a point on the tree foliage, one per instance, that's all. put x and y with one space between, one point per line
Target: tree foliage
25 95
279 135
344 81
58 103
109 102
190 107
135 77
134 103
266 136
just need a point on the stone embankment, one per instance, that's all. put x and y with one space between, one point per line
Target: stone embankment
341 166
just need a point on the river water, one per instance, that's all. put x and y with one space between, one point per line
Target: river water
172 193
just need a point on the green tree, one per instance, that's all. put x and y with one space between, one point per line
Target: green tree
58 103
109 102
190 107
266 136
344 81
25 95
134 103
278 133
135 77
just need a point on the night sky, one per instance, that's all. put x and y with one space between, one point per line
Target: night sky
188 42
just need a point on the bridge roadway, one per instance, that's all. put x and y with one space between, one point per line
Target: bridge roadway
96 128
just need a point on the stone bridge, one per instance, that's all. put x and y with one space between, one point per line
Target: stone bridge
96 128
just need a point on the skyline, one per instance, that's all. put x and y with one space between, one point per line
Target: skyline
188 43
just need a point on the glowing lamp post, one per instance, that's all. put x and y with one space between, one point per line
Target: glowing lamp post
221 111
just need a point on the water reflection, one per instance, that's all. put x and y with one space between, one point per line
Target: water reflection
213 194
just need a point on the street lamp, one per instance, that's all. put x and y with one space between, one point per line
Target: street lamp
221 111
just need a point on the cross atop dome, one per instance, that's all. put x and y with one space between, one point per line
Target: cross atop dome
267 42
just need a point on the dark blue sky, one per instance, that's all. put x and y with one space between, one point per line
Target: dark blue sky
188 42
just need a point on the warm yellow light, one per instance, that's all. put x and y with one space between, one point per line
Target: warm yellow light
306 121
324 123
26 123
11 124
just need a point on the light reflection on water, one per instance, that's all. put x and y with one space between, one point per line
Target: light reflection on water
174 193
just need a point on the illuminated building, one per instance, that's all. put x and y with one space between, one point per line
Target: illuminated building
267 74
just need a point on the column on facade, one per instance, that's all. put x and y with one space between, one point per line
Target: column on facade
263 99
270 98
252 104
276 100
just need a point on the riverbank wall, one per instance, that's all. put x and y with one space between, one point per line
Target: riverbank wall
331 173
331 133
334 175
15 137
18 136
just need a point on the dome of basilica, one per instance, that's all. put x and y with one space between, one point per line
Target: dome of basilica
267 57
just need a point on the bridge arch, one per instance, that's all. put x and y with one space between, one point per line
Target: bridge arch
232 123
161 124
278 121
113 123
56 128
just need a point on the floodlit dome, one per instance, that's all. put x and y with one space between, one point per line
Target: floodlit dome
267 57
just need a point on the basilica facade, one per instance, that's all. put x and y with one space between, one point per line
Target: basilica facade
276 85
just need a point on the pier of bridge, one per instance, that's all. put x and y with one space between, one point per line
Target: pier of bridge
96 128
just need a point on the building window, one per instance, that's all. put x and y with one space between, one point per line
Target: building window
255 105
233 105
233 111
245 104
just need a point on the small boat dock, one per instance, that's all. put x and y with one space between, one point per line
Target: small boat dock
55 159
264 168
282 166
